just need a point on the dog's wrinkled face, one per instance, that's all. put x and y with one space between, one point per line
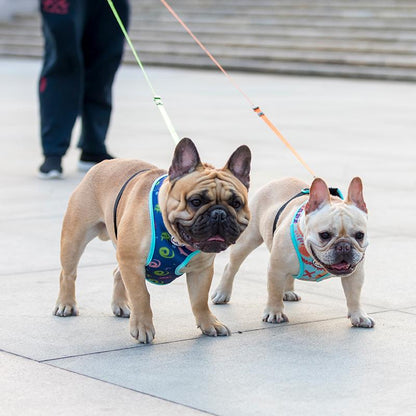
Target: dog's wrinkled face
206 208
336 231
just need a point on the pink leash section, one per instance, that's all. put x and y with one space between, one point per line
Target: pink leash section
255 108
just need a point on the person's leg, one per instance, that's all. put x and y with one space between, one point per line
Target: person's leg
60 83
103 48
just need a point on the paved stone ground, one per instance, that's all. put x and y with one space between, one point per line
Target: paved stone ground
316 364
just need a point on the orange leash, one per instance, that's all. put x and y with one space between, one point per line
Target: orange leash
282 138
255 108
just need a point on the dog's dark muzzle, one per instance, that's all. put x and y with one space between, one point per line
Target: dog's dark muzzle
343 251
343 261
214 230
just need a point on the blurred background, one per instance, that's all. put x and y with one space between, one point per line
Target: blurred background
348 38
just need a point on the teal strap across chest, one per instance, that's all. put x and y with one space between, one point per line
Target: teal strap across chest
308 269
166 259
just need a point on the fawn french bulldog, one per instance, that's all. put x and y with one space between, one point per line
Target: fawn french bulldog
163 224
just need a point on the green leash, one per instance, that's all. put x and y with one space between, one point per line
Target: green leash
156 98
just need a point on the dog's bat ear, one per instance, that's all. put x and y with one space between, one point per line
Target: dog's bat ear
185 159
355 194
239 165
318 196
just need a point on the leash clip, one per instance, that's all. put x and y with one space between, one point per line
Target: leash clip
258 111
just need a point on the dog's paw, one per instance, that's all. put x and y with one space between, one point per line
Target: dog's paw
362 320
273 317
65 309
213 327
220 296
120 310
291 296
142 330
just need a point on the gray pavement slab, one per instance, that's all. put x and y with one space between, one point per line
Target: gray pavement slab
96 326
318 368
315 364
37 389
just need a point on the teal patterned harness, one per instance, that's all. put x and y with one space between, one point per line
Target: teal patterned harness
166 259
308 269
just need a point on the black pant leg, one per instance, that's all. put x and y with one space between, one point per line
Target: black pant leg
103 49
61 79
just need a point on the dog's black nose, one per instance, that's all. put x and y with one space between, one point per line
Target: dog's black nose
343 247
218 215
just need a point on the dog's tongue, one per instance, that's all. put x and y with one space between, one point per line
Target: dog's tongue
341 266
216 238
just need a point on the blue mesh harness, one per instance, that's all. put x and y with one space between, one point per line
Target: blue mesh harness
166 259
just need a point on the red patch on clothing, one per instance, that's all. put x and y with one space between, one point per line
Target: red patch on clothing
55 6
42 84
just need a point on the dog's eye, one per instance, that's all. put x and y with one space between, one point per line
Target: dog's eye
196 202
236 204
325 235
359 236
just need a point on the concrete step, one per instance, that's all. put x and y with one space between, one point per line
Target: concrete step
146 39
267 66
217 21
243 53
345 38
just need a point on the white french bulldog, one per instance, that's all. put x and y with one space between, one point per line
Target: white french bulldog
311 235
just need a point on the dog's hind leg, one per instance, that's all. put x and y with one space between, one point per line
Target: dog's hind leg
119 304
249 241
290 294
78 230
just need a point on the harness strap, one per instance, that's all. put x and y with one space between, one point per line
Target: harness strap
276 218
305 191
117 201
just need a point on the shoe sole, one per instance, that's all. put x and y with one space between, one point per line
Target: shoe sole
52 174
85 166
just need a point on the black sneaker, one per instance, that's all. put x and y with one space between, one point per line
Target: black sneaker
51 168
88 160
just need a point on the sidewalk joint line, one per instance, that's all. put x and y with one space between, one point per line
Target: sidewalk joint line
105 381
267 328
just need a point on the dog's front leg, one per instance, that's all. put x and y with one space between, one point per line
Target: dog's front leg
249 241
352 288
277 282
199 283
141 316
